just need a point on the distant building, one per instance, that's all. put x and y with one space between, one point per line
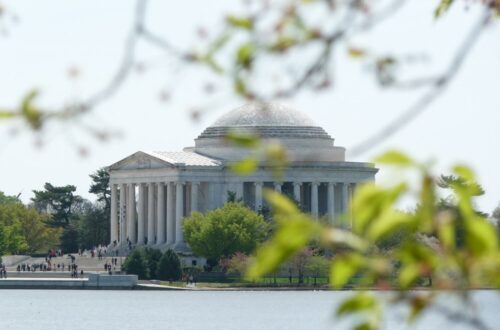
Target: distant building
151 192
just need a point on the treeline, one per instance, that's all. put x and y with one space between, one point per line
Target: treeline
55 218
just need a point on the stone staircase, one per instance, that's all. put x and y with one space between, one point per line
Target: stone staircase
84 262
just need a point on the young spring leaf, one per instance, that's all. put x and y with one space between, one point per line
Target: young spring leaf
245 166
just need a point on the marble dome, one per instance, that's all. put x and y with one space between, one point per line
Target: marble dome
303 139
268 120
263 114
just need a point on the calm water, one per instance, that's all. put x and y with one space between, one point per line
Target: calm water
191 310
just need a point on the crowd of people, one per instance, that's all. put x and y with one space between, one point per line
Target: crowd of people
97 251
51 264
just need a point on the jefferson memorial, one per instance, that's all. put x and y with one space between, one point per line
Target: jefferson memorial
151 192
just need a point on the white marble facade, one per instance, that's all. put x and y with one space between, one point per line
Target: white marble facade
151 192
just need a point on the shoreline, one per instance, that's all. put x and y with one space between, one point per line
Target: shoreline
130 283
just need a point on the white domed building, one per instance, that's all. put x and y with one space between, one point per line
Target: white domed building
151 192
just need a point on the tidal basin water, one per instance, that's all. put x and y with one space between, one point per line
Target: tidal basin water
193 310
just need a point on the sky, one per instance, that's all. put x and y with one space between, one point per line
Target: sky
51 37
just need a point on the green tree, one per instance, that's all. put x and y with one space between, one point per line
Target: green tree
6 199
100 186
93 226
57 201
224 231
27 230
37 233
153 256
169 267
136 263
3 241
70 237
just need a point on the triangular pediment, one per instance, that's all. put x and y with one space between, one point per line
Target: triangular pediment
139 161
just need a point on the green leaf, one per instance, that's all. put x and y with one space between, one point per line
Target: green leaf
355 52
245 54
370 202
446 230
408 274
283 43
292 235
443 6
388 223
427 207
240 22
359 303
344 238
245 166
481 237
465 172
395 158
6 114
241 139
240 87
30 112
280 203
343 268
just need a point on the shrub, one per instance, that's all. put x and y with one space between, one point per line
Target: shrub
169 267
152 256
136 264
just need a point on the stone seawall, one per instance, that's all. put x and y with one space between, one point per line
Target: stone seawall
93 282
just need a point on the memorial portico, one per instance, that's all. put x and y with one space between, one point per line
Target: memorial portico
152 192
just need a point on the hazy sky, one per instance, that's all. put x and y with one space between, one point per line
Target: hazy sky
53 36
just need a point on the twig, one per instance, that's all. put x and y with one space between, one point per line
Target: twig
428 98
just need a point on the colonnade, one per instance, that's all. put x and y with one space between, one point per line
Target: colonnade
155 219
155 216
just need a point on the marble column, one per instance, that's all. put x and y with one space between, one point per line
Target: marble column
296 191
331 201
131 213
277 187
345 198
258 195
123 228
114 214
314 199
160 214
170 214
151 213
179 214
140 216
194 196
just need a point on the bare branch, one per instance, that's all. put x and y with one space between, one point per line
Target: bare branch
437 89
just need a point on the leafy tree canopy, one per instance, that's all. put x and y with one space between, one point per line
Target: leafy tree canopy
58 201
26 230
100 186
6 199
224 231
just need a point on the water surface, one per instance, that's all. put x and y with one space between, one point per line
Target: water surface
193 310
